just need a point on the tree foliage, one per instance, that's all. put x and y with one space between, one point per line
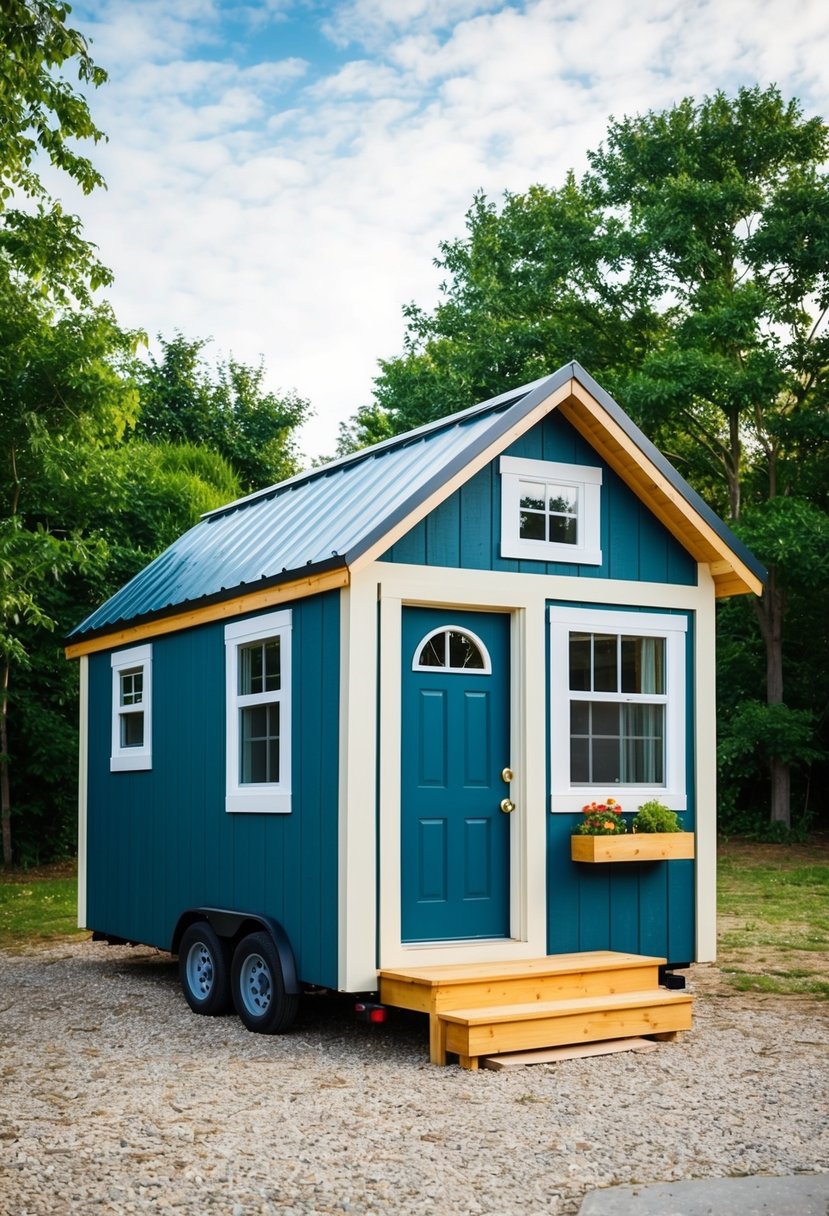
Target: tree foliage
689 271
228 409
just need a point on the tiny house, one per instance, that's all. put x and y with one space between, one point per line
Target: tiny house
345 727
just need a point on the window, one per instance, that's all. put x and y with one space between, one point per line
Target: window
258 691
452 650
617 707
550 511
131 709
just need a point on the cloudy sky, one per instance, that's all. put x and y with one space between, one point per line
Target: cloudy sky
280 172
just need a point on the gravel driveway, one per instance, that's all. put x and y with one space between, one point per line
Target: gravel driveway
115 1098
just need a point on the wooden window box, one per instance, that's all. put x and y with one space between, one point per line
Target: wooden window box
636 846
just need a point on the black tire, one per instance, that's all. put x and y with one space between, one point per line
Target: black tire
204 970
258 987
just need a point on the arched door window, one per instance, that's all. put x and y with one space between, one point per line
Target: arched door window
452 649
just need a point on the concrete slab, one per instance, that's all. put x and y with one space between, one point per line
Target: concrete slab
800 1195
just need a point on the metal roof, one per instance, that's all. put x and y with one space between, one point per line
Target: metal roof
325 518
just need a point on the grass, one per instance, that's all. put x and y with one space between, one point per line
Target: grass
37 910
773 909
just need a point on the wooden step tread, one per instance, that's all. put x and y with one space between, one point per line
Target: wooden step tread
494 1014
554 964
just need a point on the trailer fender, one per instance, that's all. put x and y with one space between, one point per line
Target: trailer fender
232 926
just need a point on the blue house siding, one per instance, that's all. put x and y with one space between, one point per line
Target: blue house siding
465 530
160 841
644 908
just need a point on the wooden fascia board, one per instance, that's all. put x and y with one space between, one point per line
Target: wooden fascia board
499 444
657 493
239 605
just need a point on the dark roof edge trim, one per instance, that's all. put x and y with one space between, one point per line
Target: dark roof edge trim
378 448
205 601
500 425
652 452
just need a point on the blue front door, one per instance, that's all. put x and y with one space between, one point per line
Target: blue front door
456 737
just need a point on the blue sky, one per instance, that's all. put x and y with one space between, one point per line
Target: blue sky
280 172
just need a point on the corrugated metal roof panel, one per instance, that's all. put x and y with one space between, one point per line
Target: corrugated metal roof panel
328 517
303 523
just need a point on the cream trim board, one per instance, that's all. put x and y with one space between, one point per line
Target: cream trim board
359 727
83 786
527 827
705 733
462 476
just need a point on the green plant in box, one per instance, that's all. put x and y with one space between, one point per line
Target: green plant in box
602 819
654 816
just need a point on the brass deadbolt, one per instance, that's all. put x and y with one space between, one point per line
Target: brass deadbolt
507 775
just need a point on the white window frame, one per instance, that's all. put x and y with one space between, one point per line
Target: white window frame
273 797
567 797
486 670
585 480
132 759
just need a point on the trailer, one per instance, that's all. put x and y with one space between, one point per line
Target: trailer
340 733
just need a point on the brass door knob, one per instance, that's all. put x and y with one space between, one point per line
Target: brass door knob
507 806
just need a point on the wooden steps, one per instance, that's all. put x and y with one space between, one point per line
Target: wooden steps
485 1009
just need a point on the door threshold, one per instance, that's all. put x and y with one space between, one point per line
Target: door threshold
449 942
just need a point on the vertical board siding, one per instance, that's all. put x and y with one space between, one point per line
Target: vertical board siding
465 530
642 907
161 841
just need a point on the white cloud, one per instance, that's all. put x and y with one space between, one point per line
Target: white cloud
290 209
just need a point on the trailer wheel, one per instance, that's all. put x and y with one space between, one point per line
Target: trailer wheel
258 988
203 970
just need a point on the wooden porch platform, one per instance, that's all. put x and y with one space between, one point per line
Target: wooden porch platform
483 1009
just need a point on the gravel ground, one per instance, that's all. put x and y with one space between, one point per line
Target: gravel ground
115 1098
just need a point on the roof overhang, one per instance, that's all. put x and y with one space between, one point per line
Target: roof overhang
223 608
608 430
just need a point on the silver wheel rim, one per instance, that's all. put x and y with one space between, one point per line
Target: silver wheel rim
200 971
255 985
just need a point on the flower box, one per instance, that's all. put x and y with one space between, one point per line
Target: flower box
633 846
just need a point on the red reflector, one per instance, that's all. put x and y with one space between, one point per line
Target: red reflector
377 1015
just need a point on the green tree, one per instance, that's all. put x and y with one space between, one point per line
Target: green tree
720 214
689 271
228 409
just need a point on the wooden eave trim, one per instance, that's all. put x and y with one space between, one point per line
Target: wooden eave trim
447 488
239 605
654 489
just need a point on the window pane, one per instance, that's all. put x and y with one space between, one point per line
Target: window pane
259 730
643 665
580 761
463 653
563 529
605 767
272 666
433 654
532 496
132 686
580 717
580 662
562 499
531 526
604 663
644 744
132 730
250 669
605 718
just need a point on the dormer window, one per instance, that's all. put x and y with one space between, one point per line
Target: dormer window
550 511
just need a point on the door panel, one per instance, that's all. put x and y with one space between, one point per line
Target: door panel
456 735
